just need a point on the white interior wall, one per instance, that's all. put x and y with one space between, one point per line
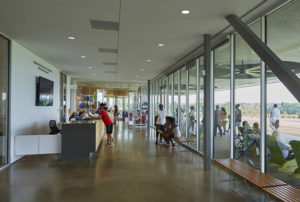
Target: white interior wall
25 117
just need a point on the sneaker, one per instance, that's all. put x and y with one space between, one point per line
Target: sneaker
161 142
156 142
168 146
173 145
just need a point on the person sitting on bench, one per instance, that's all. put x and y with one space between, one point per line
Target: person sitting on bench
171 132
285 148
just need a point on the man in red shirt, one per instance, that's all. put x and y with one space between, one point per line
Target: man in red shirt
107 122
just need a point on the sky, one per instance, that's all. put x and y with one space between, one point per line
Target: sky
276 93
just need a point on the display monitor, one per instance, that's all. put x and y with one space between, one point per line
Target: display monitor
44 92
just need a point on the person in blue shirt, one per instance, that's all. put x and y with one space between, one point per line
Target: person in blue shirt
80 116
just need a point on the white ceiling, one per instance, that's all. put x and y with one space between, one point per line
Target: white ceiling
43 27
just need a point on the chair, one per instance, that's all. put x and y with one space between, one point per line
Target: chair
53 127
277 157
296 149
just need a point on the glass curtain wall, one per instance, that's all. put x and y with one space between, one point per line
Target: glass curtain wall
170 93
283 110
155 96
151 105
183 97
120 104
247 73
126 104
4 43
192 114
200 141
163 91
176 95
222 74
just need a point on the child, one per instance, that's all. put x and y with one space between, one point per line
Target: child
107 122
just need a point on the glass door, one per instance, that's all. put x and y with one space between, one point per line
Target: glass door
3 101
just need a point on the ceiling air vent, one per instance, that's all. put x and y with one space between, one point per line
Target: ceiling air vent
107 50
110 63
105 25
110 72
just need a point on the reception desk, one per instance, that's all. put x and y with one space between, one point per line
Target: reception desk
81 139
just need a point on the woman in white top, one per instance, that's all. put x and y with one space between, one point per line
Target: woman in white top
274 116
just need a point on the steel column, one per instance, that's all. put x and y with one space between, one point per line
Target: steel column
208 103
179 99
198 121
172 102
232 100
263 112
149 109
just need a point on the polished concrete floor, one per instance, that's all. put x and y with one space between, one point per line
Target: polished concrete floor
135 169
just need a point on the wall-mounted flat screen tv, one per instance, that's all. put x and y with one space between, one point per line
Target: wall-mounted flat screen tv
44 92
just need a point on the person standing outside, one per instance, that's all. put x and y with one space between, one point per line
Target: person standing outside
160 121
218 115
238 116
192 120
224 119
108 124
274 116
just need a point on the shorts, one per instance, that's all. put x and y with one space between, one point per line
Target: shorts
160 127
109 129
171 136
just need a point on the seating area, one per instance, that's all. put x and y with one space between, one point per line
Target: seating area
279 162
271 185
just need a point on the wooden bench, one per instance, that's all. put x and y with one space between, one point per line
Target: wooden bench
269 184
284 193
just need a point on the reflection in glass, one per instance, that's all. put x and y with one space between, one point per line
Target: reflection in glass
222 101
192 114
201 101
283 119
182 114
170 89
247 73
3 100
176 96
126 104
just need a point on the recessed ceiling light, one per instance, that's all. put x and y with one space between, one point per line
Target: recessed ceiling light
148 60
90 67
185 12
142 70
71 37
137 76
94 74
83 56
160 44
